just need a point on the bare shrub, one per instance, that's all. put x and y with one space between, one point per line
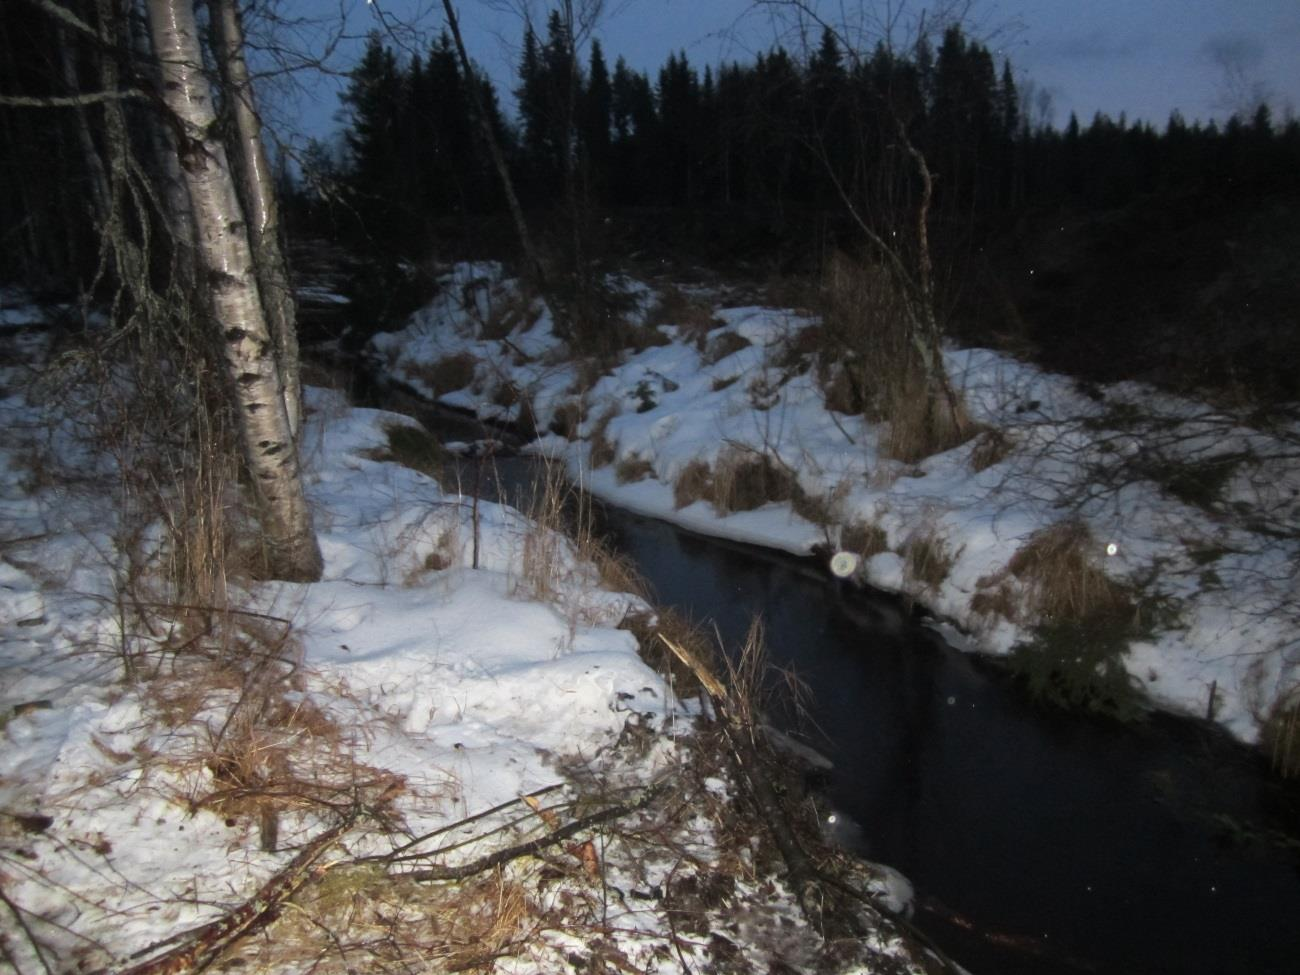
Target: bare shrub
927 560
745 480
633 467
447 374
693 483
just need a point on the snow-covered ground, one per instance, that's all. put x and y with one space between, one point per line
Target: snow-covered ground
1193 517
151 781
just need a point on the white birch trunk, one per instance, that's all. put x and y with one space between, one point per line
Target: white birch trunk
226 262
260 204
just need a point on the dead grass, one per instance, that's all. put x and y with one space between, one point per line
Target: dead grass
927 560
416 448
1058 569
1281 734
692 316
359 918
721 346
603 450
744 480
870 365
566 419
992 447
864 538
633 467
447 374
693 483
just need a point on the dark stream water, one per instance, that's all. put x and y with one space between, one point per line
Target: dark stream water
1038 841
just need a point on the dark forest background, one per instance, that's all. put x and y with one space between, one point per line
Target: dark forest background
1107 248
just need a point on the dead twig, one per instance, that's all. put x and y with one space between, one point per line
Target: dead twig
202 946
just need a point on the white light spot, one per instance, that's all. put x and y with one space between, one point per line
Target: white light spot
951 701
1112 549
844 564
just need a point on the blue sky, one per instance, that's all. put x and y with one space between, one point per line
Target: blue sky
1141 57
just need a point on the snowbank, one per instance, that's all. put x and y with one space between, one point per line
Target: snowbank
1191 515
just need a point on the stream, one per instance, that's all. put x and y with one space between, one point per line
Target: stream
1038 841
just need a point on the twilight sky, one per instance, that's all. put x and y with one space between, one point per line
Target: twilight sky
1142 57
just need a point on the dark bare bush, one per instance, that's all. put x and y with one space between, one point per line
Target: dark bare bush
693 483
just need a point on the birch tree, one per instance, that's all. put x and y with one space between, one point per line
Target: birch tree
228 269
260 204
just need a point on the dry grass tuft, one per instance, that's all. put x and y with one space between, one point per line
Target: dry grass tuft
920 427
694 483
416 448
633 467
744 480
603 450
870 364
721 346
566 419
927 560
358 918
447 374
864 538
1062 580
692 316
508 312
992 447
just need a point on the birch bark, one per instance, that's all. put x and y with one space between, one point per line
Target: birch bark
260 204
227 264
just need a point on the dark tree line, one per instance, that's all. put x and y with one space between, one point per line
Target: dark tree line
778 132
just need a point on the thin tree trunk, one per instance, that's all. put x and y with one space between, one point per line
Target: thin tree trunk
260 204
226 260
531 254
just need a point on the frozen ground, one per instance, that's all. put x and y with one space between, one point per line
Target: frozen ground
161 762
1191 514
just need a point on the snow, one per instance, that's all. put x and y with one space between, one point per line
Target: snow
1214 575
465 687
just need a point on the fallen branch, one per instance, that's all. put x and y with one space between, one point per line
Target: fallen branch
496 859
205 944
